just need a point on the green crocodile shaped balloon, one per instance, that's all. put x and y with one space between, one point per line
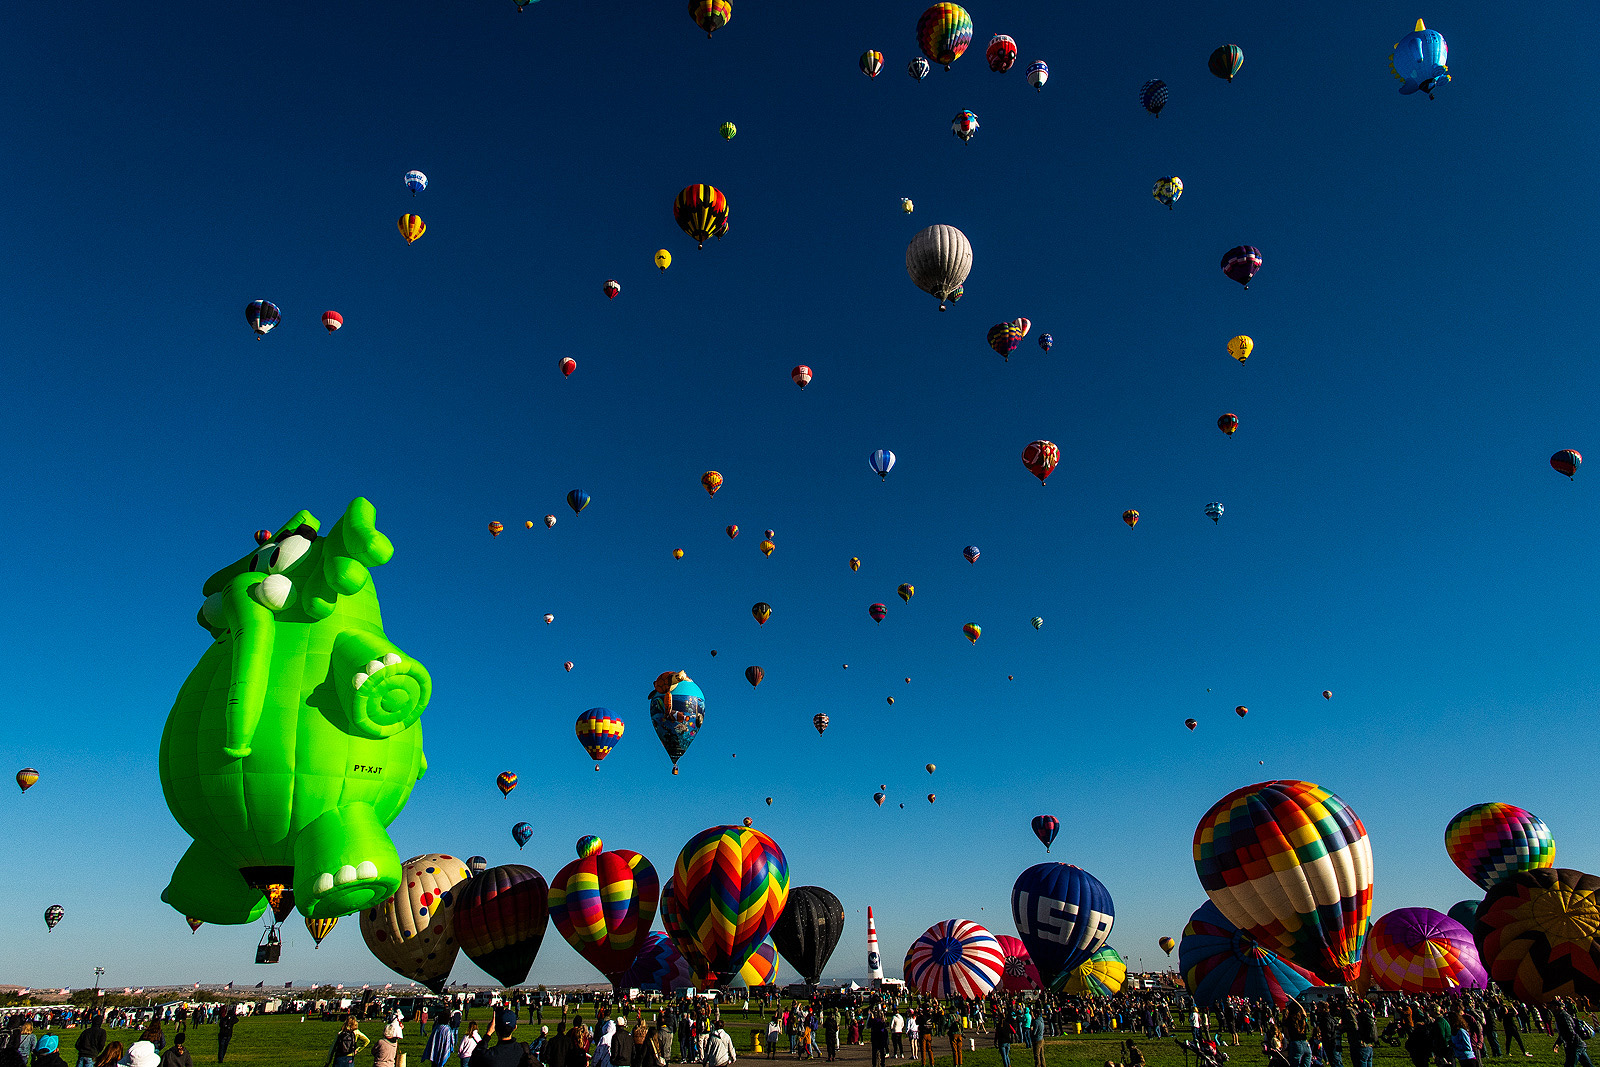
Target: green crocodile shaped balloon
295 741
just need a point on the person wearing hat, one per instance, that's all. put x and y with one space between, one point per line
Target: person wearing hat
508 1052
45 1053
142 1053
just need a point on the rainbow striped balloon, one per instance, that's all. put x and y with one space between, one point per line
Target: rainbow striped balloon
943 33
1490 841
731 883
955 958
589 845
1419 950
604 905
762 966
659 965
672 922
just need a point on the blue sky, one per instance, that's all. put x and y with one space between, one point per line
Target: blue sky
1393 531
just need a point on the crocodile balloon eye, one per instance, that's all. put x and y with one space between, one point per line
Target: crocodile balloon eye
287 554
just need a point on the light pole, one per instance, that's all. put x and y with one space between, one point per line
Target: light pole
94 998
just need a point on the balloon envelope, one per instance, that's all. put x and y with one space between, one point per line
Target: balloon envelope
1064 916
1219 960
1045 828
732 884
1418 950
501 918
881 462
1489 841
943 33
1465 912
603 905
808 930
1536 934
1101 975
26 778
955 958
598 732
413 932
938 260
1020 973
677 711
659 965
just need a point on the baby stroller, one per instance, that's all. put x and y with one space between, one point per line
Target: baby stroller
1205 1051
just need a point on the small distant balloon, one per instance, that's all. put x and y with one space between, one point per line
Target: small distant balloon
568 665
732 531
26 778
855 563
262 315
931 798
1001 53
930 768
549 521
878 612
1130 517
263 536
907 591
1038 74
766 548
870 63
1190 723
332 321
820 722
54 914
1228 423
611 288
906 205
1153 96
528 524
762 611
1037 621
801 375
711 481
589 845
577 500
973 631
728 130
507 781
1226 61
770 535
769 802
1241 263
495 528
748 821
663 259
918 68
753 675
522 833
711 15
972 553
964 125
1240 348
881 462
891 701
1567 461
549 618
1214 511
1327 694
1240 711
1004 338
412 227
878 799
677 553
1168 190
1040 458
416 181
1046 341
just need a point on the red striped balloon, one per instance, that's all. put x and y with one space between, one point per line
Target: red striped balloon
604 905
732 883
955 958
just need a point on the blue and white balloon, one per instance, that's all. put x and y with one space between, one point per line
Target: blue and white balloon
1063 914
882 462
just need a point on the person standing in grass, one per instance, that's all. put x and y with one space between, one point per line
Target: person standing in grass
91 1042
225 1032
1004 1033
953 1032
177 1055
1038 1038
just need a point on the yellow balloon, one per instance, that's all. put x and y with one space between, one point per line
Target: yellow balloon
1241 347
663 258
412 227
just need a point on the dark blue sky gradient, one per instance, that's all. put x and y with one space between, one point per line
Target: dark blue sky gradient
1423 328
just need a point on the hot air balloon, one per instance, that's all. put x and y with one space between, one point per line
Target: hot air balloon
495 529
1420 61
1004 338
1241 264
891 701
878 798
1038 74
1046 341
1022 324
522 833
973 631
1218 961
1419 950
507 782
677 553
731 885
1240 348
769 802
753 675
728 130
1567 461
1465 912
52 915
577 500
770 535
1489 841
701 211
332 321
1535 933
1001 53
761 968
881 462
413 932
1291 864
1191 724
938 260
854 564
1045 828
931 799
677 711
549 521
1130 517
801 375
26 778
1041 457
711 481
675 922
918 68
262 315
1168 190
871 63
1064 916
808 930
907 591
1327 694
598 732
1020 974
1166 944
477 864
878 612
611 288
766 548
820 722
548 619
943 33
416 181
762 611
500 921
1241 711
710 15
659 965
1228 423
1153 96
1037 621
971 553
412 227
568 666
1101 975
603 905
589 845
930 768
732 532
1214 511
964 125
194 924
1226 61
263 536
663 259
906 205
955 958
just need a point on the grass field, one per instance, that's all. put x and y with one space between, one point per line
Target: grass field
285 1041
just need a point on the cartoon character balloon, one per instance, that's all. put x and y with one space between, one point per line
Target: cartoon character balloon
1489 841
1001 53
964 126
732 883
1290 863
677 711
603 905
955 958
1063 914
1420 61
413 932
1418 950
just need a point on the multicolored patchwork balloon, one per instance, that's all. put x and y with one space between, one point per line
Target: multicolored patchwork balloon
1290 863
1020 974
1419 950
598 733
943 33
1537 934
604 905
659 965
589 845
762 966
1219 960
1063 914
1490 841
701 211
732 883
955 958
1101 975
672 921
